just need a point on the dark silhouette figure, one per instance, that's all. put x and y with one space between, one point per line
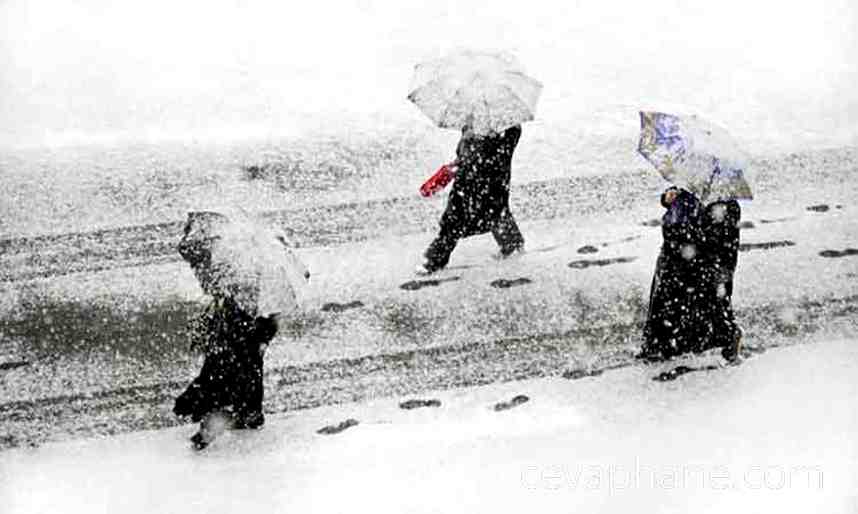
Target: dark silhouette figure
479 200
680 307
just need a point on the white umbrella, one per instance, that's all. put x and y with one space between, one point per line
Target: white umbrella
696 155
487 91
244 259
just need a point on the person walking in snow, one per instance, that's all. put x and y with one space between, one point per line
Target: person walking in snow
690 300
232 332
680 316
479 199
719 225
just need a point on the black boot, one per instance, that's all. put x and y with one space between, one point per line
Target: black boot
198 441
650 353
252 421
732 351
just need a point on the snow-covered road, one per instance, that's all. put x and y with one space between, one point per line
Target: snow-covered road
101 353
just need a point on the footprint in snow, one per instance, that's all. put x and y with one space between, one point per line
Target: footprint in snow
12 365
777 220
744 247
515 402
655 222
833 254
340 307
575 374
593 249
586 263
336 429
747 224
503 283
819 208
414 285
417 403
678 371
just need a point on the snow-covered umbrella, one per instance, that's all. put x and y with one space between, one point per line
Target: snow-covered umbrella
487 91
696 155
245 259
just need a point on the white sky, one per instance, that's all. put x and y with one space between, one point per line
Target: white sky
88 71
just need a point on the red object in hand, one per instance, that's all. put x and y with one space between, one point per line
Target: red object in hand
439 180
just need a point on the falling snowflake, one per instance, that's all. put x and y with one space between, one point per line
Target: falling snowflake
719 212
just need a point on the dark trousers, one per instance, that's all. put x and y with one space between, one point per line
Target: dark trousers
227 380
505 231
724 324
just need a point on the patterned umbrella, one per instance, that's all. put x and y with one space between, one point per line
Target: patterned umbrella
243 259
695 155
487 91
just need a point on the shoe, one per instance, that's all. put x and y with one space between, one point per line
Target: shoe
506 254
650 354
252 421
421 271
732 352
424 270
211 426
198 441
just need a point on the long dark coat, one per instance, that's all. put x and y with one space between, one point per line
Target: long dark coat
719 224
680 308
480 193
231 376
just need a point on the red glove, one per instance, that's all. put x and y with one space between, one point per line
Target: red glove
439 180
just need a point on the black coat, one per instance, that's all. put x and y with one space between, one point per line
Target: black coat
719 225
680 308
480 193
231 375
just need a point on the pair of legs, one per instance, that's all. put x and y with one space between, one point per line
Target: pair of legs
726 332
227 393
678 323
505 231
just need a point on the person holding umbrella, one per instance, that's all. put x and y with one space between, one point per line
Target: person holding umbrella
690 298
249 273
487 96
679 317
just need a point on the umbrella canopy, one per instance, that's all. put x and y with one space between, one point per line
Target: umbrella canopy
244 259
696 155
488 92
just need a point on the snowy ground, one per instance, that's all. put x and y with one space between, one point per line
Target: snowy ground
94 301
776 434
105 352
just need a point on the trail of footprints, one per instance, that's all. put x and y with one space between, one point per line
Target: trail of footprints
584 263
503 283
418 403
520 399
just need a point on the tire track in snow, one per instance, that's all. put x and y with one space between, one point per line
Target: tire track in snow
323 225
582 352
